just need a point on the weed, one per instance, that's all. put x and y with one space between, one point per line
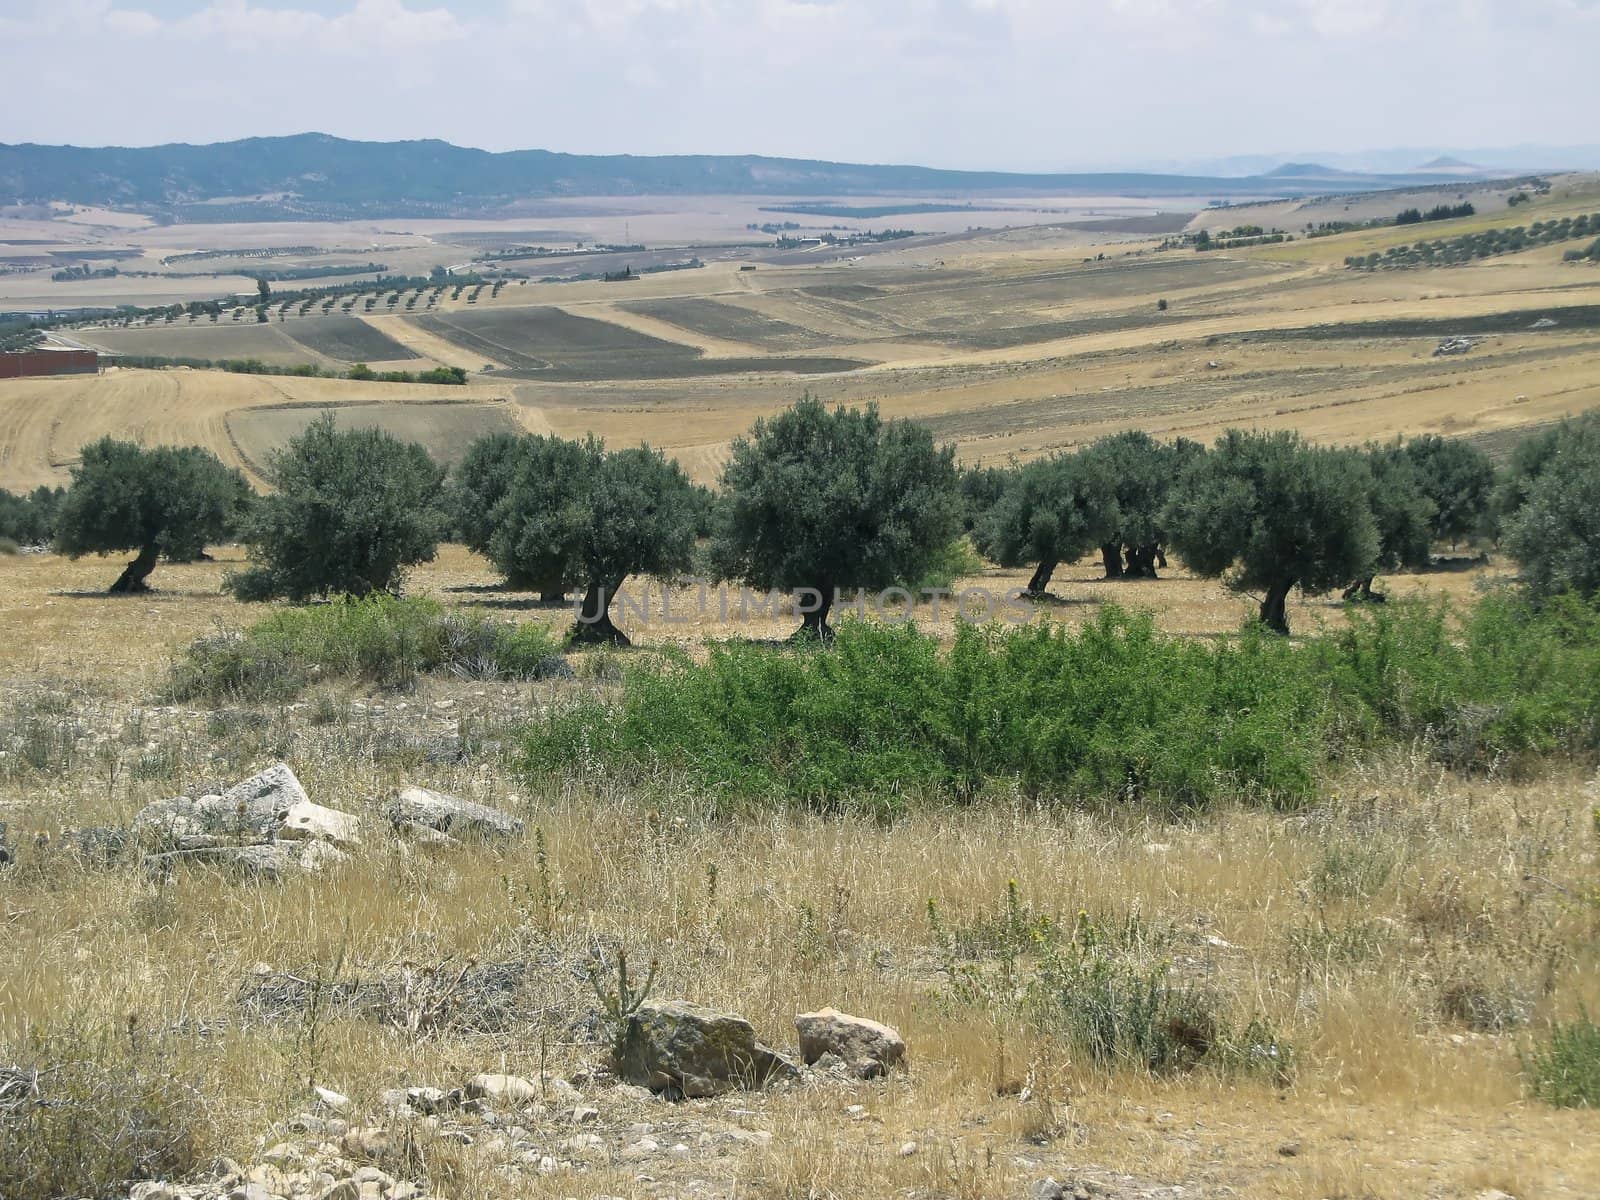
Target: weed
1565 1067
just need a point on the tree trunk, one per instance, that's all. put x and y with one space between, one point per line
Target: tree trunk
1142 562
1041 577
1361 591
814 625
1273 615
1111 556
133 576
594 625
1161 558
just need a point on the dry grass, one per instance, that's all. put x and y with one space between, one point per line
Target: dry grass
1406 935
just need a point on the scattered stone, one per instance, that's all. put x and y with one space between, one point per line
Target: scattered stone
431 1100
371 1142
907 1149
252 809
686 1049
262 860
332 1099
345 1189
502 1089
1047 1189
1543 323
153 1191
867 1047
643 1148
585 1114
449 814
306 820
1289 1149
283 1155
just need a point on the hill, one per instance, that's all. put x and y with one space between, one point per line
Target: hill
316 176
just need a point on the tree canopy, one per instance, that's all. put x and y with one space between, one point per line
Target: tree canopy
1402 512
576 515
1054 511
168 500
826 500
1142 472
1275 513
1458 479
351 510
1555 534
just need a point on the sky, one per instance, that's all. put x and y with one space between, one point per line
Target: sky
982 84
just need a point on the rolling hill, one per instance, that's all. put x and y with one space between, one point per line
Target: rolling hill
314 175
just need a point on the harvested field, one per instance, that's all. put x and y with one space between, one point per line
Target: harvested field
445 427
270 343
347 339
554 345
717 319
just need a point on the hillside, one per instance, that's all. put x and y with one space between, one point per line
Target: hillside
315 175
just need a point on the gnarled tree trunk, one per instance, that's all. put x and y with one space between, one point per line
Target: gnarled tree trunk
1142 561
1041 577
594 625
1361 591
133 576
1111 556
1273 615
814 623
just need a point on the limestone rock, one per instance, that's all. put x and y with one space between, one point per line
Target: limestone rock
449 814
308 821
867 1047
502 1089
264 860
250 811
687 1049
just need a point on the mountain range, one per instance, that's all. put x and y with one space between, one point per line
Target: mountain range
317 176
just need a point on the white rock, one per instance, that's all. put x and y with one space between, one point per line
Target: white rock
334 1100
870 1048
310 821
502 1089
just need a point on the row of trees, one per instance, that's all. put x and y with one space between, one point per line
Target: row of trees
823 501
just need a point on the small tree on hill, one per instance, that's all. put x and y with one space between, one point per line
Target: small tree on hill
823 501
1555 534
1458 479
1142 472
1056 510
1402 512
352 509
1278 514
575 515
168 500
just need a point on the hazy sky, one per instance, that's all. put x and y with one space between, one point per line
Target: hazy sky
971 83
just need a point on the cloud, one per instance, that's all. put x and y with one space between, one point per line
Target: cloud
1020 83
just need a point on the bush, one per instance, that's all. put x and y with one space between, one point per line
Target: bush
1112 711
1564 1069
379 640
1555 534
352 509
110 1109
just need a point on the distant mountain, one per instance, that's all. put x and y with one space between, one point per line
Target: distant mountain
313 175
1447 162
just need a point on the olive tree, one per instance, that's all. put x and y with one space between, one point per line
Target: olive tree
818 501
1555 533
1402 512
577 515
1056 510
1142 472
1458 479
1273 513
167 500
350 511
547 470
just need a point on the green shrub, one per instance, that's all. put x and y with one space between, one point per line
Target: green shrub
379 640
1565 1067
1112 711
